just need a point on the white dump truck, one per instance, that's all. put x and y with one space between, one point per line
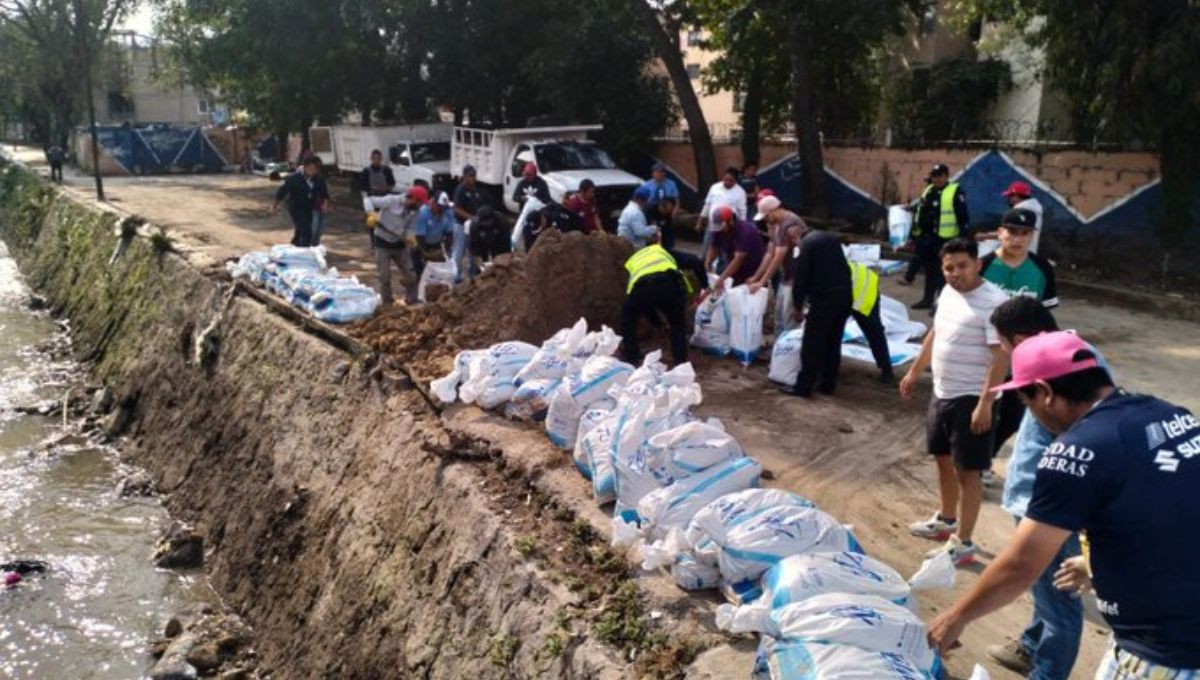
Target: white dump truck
564 157
416 153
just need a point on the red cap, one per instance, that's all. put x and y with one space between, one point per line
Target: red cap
763 193
418 192
1046 357
1018 188
725 214
530 169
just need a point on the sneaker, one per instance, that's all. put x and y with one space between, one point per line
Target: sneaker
989 479
961 554
1012 656
934 528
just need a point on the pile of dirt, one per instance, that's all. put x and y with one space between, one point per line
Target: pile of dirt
520 297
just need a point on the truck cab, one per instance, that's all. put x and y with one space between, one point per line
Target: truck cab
424 161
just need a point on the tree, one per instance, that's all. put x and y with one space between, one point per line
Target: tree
662 21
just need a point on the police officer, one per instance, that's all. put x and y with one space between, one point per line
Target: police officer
655 285
941 216
822 278
864 307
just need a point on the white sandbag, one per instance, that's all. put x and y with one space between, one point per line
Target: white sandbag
867 622
785 357
746 312
897 324
798 577
555 356
674 505
711 330
690 574
294 257
531 399
595 449
436 274
603 342
693 447
979 673
863 253
491 381
899 353
249 266
578 391
899 225
445 389
637 475
732 509
803 660
753 543
591 419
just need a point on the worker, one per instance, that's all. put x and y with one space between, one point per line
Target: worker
489 236
736 242
632 225
1020 197
822 279
655 286
778 221
394 239
1123 470
661 187
434 229
56 155
583 207
865 309
726 193
377 179
468 200
662 217
941 216
531 184
303 191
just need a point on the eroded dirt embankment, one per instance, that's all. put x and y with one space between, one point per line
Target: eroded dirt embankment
344 522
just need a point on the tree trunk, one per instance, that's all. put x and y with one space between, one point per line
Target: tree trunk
752 115
814 198
81 28
667 47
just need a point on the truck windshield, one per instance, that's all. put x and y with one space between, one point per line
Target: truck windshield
572 156
429 152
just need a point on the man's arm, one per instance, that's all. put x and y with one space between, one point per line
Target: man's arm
767 268
1050 295
280 194
389 178
908 386
640 228
519 193
543 191
1012 573
981 419
734 264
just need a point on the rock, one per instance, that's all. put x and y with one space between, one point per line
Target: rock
136 483
37 303
102 400
235 674
117 421
174 665
159 647
205 657
180 548
173 628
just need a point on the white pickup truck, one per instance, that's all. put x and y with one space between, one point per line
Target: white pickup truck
564 157
416 153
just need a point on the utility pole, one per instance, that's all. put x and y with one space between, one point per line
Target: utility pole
82 26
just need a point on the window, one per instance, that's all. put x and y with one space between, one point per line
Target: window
694 37
203 106
739 101
560 156
693 71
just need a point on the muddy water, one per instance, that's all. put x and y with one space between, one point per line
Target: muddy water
93 614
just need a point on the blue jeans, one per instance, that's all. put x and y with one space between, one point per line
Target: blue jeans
318 226
1052 638
465 262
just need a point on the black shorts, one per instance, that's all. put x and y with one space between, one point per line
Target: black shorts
948 432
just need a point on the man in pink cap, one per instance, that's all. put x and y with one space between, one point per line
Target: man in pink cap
531 184
1020 197
1125 470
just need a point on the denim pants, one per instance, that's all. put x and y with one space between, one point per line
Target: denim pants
318 226
1052 638
466 263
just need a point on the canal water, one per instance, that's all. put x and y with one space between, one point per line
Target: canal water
92 615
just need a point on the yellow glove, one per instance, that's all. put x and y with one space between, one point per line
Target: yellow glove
372 220
410 241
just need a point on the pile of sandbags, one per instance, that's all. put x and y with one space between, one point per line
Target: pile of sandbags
730 321
300 276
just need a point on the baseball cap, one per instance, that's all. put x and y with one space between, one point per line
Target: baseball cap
939 169
468 170
1018 188
643 193
443 200
419 193
766 205
721 216
658 167
586 184
1019 217
1046 357
529 169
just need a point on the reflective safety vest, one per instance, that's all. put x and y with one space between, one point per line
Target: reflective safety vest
653 259
865 284
947 218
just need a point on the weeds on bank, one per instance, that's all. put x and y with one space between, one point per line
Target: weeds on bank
503 649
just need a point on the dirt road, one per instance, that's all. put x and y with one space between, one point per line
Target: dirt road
858 455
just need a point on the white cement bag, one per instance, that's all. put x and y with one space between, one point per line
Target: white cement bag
690 574
674 505
446 388
554 358
592 418
755 543
578 391
801 660
532 205
491 381
899 225
896 323
603 342
711 330
785 357
637 475
436 274
694 447
746 312
900 353
733 509
867 622
596 449
936 573
863 253
531 399
799 577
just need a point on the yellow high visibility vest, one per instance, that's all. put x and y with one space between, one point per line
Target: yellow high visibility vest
653 259
947 218
865 284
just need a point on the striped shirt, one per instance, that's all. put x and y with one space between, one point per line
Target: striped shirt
962 337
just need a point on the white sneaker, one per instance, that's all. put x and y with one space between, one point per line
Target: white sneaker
989 479
934 528
961 553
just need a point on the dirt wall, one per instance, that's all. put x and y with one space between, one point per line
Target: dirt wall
357 534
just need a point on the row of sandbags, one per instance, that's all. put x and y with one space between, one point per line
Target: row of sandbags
299 275
685 493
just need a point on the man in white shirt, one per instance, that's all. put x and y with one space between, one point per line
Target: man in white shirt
632 225
1020 197
724 194
968 362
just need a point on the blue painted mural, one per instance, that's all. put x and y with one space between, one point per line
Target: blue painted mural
160 149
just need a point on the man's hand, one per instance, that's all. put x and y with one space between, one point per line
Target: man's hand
908 385
944 631
1072 576
754 287
981 417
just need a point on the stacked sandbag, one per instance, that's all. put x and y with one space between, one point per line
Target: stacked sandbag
711 331
299 276
746 312
578 391
799 660
492 373
785 357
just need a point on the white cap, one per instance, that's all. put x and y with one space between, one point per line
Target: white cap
766 205
444 200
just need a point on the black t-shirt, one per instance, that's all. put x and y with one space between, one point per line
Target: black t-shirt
531 186
469 199
820 267
666 227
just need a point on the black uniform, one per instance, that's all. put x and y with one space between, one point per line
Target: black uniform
929 244
823 280
662 292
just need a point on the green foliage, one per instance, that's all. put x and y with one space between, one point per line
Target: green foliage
946 101
503 649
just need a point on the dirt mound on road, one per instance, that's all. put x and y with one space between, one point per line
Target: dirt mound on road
520 297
